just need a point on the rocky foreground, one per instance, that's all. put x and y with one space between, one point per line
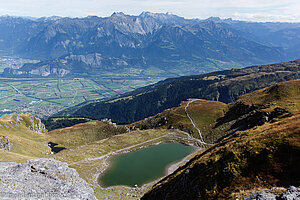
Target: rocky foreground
42 179
292 193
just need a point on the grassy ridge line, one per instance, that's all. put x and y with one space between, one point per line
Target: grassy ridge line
203 112
284 95
85 133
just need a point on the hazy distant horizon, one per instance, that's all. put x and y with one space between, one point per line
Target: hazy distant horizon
53 16
246 10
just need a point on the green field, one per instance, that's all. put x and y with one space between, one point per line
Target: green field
45 96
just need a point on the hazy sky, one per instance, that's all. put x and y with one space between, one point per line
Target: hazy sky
252 10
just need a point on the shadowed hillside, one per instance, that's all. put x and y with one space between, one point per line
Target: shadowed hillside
224 86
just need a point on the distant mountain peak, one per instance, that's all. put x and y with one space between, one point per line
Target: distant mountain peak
147 13
218 19
118 14
166 15
51 18
168 18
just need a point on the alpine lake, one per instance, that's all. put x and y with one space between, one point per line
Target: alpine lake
143 166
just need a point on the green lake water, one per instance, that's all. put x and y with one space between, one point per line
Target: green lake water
143 166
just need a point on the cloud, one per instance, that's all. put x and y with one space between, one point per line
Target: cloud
266 10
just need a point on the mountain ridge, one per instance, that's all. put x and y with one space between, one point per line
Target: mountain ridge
164 41
222 86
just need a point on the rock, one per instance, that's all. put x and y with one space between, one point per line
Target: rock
261 195
292 193
36 125
5 144
42 179
19 119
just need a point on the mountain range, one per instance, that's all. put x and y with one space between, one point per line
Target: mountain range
173 44
243 122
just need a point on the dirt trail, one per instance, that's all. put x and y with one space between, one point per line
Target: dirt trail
191 119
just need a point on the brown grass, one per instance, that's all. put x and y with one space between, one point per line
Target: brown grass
263 157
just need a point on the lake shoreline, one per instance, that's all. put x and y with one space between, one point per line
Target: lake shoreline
170 168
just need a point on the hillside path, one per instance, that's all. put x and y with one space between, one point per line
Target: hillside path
191 119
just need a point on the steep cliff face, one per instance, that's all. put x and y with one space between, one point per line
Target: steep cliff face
260 149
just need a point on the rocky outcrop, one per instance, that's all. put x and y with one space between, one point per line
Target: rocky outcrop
292 193
24 120
5 144
243 117
261 195
42 179
36 125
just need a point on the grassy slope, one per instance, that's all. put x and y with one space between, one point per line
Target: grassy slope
263 156
203 112
85 133
6 156
27 144
245 161
284 95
